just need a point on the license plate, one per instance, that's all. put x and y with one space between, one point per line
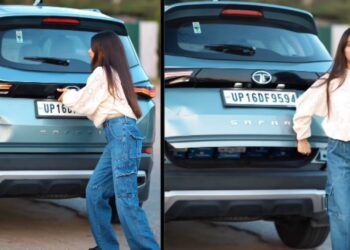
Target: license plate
54 109
232 97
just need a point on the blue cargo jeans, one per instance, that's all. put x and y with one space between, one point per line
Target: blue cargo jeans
116 174
338 193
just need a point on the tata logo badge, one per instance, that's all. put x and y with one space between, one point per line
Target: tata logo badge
261 77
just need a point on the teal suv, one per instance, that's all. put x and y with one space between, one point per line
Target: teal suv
233 71
46 150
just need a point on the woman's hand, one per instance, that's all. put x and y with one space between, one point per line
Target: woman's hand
63 91
304 147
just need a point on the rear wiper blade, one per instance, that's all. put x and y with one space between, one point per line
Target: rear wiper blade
232 49
50 60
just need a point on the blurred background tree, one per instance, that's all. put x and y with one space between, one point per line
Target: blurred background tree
324 10
139 9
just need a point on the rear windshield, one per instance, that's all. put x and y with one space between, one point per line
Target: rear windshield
17 44
270 43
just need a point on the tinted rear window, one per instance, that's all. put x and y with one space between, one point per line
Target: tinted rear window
16 44
273 44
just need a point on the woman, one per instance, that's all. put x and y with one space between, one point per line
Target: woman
108 99
330 97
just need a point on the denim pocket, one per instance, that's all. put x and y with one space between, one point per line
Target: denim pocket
135 133
126 179
126 186
135 142
332 144
115 132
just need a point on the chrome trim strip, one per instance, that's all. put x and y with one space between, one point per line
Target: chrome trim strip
54 174
316 196
238 143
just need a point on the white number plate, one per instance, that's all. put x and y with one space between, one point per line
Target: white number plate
54 109
232 97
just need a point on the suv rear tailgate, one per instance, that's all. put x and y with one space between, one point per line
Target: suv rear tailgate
197 118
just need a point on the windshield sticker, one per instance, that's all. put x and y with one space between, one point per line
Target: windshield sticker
196 28
19 36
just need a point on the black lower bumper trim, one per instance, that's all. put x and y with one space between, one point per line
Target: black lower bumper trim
242 179
239 210
57 161
56 188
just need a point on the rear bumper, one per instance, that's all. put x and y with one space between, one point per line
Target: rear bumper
229 140
68 183
229 193
58 161
57 175
249 178
223 204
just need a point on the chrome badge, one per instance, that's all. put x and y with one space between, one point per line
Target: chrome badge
261 77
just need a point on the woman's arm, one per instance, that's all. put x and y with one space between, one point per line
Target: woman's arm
312 102
86 100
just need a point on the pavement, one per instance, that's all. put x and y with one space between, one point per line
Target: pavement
207 235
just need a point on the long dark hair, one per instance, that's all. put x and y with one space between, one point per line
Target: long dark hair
110 54
338 69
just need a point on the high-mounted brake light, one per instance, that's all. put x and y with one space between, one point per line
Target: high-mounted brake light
148 92
171 74
57 20
233 12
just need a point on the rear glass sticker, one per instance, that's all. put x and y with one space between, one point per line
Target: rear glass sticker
19 36
196 28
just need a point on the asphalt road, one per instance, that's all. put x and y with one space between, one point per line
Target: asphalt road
33 224
206 235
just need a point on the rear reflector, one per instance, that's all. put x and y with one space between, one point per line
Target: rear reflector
147 150
171 74
252 13
55 20
148 92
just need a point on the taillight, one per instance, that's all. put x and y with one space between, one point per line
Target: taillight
147 92
233 12
147 150
176 74
5 86
57 20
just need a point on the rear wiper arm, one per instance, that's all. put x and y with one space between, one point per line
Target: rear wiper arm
50 60
232 49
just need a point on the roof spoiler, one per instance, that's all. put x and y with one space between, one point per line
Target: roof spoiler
95 10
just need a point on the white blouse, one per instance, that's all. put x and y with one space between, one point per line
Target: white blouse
95 101
314 102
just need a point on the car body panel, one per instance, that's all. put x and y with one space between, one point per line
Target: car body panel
174 62
205 186
225 3
192 122
60 153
